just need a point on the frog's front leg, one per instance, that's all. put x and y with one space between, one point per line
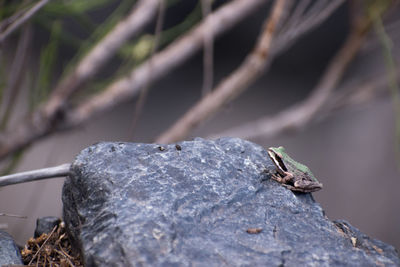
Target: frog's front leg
288 178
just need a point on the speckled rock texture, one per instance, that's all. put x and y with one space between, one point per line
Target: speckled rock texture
202 203
9 252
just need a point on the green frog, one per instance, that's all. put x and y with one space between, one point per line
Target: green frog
292 174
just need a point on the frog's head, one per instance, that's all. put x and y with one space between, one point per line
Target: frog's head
278 150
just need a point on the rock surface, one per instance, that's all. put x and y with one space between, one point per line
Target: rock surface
9 252
203 203
45 225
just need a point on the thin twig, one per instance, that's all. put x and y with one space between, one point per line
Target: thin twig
46 119
9 20
44 243
13 215
297 14
17 70
64 255
39 126
282 41
306 22
299 115
141 14
36 175
123 89
143 94
391 65
24 18
163 62
236 83
208 52
352 95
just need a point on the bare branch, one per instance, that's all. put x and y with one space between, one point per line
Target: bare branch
52 117
24 18
208 52
13 215
142 14
143 94
306 19
352 95
283 40
165 61
41 125
299 115
16 73
231 87
298 13
45 173
47 118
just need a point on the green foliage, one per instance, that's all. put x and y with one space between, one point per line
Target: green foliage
141 49
73 7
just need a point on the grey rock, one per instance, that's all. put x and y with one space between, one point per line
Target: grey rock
46 225
9 251
202 203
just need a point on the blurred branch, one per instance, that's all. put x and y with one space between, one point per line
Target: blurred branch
174 32
304 19
52 118
301 114
163 62
375 11
307 15
154 46
237 82
356 94
12 215
45 120
47 61
208 51
99 33
142 14
68 8
55 115
18 69
22 19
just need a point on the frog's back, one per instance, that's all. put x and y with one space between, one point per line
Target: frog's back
301 167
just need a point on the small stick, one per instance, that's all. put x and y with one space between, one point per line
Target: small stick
24 18
44 243
45 173
12 215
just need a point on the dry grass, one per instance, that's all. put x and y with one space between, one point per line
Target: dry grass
51 249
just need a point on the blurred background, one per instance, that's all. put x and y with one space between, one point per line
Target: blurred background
325 88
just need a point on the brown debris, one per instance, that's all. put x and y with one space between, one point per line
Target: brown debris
51 249
254 230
